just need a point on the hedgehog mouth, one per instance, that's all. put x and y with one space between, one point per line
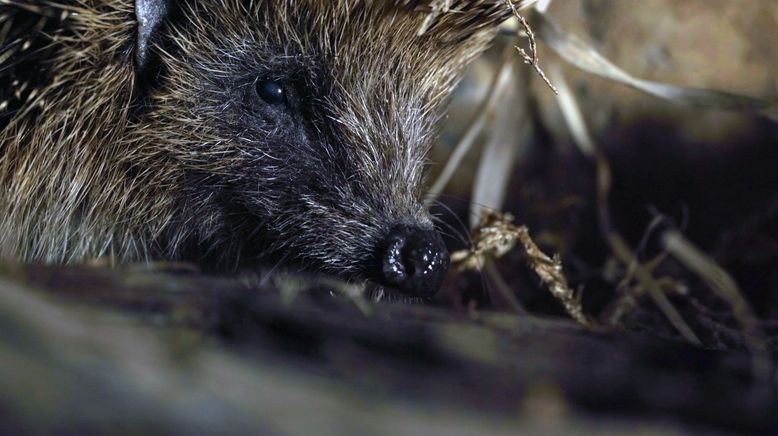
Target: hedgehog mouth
377 292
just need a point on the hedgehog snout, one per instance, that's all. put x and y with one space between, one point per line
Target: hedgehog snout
413 260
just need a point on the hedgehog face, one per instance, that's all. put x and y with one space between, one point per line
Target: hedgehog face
300 128
232 133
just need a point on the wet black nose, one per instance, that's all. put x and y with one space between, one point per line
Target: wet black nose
414 260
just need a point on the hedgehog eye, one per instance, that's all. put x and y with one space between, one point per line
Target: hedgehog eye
270 91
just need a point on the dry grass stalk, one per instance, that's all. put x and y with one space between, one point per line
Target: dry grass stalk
499 84
507 141
632 293
617 244
725 287
646 282
643 273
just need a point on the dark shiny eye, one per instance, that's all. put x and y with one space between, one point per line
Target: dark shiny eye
270 91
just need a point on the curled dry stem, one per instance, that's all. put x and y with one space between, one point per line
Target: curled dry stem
550 272
496 235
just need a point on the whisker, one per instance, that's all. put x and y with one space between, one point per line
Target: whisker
465 232
453 232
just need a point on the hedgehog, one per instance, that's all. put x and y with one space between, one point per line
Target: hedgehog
232 134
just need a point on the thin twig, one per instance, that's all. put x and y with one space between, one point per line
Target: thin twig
530 58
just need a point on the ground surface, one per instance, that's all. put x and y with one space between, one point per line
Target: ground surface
91 349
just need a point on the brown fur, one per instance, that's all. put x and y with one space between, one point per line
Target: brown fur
98 160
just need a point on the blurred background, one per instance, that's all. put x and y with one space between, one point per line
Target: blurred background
702 163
